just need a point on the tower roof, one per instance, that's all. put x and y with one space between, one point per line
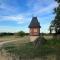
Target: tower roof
34 23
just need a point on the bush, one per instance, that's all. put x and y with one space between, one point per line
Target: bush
6 34
21 33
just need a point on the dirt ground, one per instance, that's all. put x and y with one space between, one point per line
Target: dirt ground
15 39
10 38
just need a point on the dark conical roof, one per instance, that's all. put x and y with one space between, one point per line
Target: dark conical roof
34 23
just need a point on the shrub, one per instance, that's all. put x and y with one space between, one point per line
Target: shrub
6 34
21 33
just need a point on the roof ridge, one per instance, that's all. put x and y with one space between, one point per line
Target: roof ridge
34 23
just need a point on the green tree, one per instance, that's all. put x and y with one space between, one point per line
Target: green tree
56 21
21 33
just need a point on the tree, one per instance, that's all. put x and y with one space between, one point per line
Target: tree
21 33
58 1
51 28
56 21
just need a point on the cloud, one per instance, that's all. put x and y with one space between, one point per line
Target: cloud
18 19
22 13
13 29
34 7
9 29
45 9
45 28
38 6
8 9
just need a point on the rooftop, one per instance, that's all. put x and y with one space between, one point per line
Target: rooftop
34 23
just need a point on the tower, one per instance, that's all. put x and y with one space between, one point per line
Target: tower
34 27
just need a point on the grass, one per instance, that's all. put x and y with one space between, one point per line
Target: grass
29 50
24 48
7 38
11 38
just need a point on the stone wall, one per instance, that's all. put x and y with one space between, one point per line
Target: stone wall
33 38
57 37
49 37
34 31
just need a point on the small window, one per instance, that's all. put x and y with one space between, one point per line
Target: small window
35 30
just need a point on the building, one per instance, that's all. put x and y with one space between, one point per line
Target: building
34 27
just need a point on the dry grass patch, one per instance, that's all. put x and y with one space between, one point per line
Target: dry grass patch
11 38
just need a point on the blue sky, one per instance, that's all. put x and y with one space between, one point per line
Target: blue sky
15 15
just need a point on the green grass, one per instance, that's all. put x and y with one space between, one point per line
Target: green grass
29 50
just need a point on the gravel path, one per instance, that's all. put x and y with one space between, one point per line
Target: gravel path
1 43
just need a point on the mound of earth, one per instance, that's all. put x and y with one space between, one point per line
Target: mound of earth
40 41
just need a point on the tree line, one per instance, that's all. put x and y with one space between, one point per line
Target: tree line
20 33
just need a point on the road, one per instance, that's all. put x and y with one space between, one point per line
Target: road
1 43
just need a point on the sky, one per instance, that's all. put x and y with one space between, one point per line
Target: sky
16 15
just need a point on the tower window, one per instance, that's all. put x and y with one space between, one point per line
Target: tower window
35 30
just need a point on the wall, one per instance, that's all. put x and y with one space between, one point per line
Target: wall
34 31
33 38
49 37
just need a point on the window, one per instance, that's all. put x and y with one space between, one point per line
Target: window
35 30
